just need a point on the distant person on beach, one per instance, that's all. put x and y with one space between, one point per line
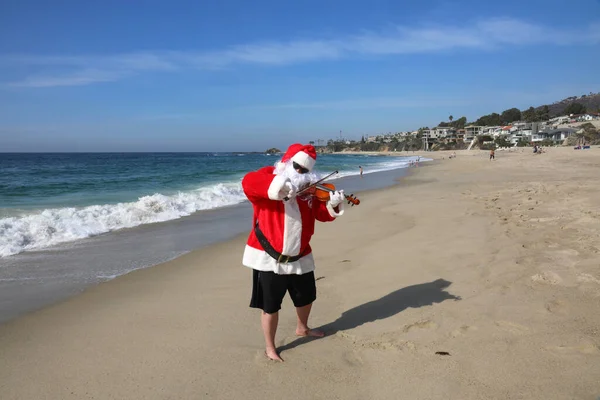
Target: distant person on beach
361 171
492 155
278 249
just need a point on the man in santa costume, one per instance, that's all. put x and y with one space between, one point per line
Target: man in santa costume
278 249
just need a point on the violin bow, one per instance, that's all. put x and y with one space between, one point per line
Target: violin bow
316 183
312 184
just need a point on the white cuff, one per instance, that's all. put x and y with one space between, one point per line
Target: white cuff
275 187
332 211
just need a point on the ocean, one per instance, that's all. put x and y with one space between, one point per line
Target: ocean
69 220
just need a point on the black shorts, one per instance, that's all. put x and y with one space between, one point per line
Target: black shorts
268 290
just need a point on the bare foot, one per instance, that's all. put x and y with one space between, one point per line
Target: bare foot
272 355
310 332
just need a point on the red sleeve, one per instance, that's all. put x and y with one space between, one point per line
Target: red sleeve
262 185
323 213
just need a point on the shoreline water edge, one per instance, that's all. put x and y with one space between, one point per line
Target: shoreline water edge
40 277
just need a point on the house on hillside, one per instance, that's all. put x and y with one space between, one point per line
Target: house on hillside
431 133
559 120
450 135
584 117
496 131
443 131
521 125
519 135
558 135
590 117
472 131
537 137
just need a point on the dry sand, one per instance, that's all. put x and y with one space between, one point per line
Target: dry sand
496 263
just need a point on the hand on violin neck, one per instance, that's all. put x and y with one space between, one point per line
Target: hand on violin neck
336 198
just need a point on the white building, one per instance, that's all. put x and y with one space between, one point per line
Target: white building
472 131
559 120
443 131
523 134
431 133
589 117
558 135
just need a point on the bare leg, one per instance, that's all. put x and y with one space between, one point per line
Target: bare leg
269 326
302 328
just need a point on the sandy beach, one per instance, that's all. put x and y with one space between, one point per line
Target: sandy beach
470 279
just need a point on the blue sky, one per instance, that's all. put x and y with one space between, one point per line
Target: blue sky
240 75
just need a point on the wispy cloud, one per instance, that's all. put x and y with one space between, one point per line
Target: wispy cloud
372 103
365 103
77 78
84 70
486 34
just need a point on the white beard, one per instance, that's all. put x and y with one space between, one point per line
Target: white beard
286 169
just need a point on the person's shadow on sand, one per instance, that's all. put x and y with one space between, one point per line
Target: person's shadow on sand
424 294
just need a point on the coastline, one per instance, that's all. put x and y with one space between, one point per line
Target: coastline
434 155
495 263
35 279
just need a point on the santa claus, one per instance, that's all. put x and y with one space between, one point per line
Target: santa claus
278 248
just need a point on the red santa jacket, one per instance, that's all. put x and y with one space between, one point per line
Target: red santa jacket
287 225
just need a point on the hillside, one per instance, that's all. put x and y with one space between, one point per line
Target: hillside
570 105
590 101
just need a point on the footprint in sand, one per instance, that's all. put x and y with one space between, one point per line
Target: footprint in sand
585 278
347 336
425 324
557 306
352 358
589 284
547 278
463 330
387 343
583 348
512 327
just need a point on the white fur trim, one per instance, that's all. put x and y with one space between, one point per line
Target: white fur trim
305 160
292 228
275 186
332 210
260 260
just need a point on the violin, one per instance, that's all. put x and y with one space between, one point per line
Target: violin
322 192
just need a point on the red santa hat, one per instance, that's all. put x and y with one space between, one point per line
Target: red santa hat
303 154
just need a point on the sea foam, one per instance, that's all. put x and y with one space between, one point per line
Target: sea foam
49 227
391 163
59 225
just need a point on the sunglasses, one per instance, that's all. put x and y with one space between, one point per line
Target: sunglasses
300 168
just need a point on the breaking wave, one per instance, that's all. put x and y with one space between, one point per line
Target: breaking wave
59 225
